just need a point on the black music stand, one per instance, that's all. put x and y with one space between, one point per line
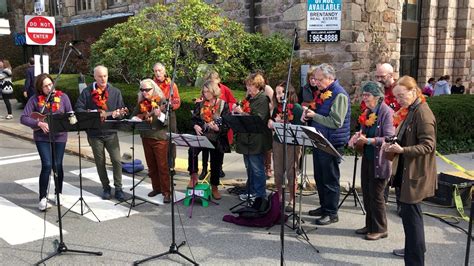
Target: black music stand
85 120
295 136
139 125
56 123
353 190
245 124
469 232
192 141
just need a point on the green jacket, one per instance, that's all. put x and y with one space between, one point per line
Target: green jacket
252 143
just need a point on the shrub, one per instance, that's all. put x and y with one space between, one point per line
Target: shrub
130 49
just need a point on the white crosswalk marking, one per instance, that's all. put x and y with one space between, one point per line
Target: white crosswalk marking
19 226
18 159
104 209
141 191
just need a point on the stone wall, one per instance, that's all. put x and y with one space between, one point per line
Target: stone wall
446 39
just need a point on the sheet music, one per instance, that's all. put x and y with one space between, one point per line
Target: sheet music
294 134
320 142
188 140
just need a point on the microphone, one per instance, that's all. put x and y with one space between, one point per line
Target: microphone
297 42
182 53
76 51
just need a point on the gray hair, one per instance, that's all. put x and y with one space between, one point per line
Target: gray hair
149 83
101 67
327 69
159 65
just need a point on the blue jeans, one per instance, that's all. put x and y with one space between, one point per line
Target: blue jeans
327 175
256 181
47 161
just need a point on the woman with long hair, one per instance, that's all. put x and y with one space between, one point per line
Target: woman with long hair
50 156
150 107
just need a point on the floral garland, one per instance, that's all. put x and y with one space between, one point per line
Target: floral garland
100 97
367 119
401 114
319 98
208 110
56 101
245 106
289 108
148 105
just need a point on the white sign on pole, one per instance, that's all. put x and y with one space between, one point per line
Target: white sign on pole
38 65
323 21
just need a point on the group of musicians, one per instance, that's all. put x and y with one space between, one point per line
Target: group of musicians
322 103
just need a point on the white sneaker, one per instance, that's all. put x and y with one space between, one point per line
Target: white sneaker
8 117
43 204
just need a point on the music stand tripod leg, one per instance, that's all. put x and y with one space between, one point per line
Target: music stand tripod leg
353 190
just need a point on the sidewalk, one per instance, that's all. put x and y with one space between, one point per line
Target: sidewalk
233 162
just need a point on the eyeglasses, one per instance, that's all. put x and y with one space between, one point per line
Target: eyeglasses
366 94
48 85
380 76
315 79
145 89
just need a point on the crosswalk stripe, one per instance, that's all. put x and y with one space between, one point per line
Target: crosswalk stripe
18 155
19 160
19 226
141 191
104 209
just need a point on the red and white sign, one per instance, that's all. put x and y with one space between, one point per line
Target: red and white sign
39 30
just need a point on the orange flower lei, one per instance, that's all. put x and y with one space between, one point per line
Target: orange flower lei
208 111
100 97
245 106
319 98
56 101
367 119
401 114
289 108
147 105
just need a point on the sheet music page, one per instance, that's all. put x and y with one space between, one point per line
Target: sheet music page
321 142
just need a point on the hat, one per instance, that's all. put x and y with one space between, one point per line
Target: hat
126 158
373 88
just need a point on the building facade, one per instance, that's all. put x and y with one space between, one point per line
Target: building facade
421 38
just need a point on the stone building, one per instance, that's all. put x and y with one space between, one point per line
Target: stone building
421 38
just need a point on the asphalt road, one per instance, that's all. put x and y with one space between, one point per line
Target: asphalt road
210 241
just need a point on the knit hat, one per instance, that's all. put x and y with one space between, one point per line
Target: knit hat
373 88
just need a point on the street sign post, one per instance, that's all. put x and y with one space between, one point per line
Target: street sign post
40 30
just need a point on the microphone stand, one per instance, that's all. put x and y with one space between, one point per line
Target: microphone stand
174 248
285 149
61 246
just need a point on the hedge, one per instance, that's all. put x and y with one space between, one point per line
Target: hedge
454 113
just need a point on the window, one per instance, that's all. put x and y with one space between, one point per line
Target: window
53 8
3 7
410 10
112 3
84 5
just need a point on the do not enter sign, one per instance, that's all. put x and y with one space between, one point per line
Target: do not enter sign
39 30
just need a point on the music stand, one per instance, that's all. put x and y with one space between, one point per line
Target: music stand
85 120
297 137
353 189
469 232
60 120
139 125
192 141
245 124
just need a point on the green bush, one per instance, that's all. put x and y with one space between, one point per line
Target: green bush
130 49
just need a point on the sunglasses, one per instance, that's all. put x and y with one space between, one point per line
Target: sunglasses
145 89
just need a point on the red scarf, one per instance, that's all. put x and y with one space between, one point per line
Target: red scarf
289 109
100 97
56 101
208 110
147 105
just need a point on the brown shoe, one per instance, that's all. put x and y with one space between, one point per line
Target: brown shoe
215 193
153 193
362 231
193 180
166 198
376 236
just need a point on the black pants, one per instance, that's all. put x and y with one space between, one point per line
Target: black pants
374 203
6 99
412 218
217 159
